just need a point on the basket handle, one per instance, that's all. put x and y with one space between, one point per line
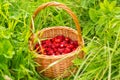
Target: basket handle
68 10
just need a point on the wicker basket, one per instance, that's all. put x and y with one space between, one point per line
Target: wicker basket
65 61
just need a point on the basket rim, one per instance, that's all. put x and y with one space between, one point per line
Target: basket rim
57 27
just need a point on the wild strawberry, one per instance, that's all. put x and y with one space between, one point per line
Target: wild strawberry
62 45
57 53
75 43
71 46
37 45
61 37
67 50
61 50
57 46
67 39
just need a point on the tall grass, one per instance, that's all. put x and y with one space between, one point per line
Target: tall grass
100 23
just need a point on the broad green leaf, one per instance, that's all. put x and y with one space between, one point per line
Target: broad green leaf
112 5
101 20
106 3
93 14
6 48
5 32
117 10
102 7
84 4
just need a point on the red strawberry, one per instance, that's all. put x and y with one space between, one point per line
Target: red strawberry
57 46
67 50
67 39
61 50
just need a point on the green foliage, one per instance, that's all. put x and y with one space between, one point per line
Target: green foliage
6 48
100 23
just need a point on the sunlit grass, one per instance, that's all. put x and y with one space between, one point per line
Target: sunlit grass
101 35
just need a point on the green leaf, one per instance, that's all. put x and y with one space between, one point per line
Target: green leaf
112 5
117 10
101 20
84 4
102 7
6 48
93 14
5 32
106 3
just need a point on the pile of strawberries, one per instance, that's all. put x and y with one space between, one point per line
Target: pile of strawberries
56 46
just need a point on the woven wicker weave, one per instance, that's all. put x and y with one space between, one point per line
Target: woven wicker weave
59 69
